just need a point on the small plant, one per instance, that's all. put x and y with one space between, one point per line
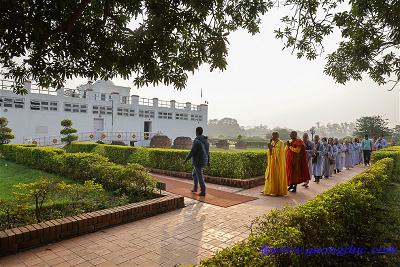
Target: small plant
5 132
68 132
38 192
90 193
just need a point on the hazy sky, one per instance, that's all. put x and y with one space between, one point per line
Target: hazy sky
265 85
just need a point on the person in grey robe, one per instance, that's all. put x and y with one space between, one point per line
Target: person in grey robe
338 159
356 159
360 152
317 160
328 152
332 157
342 155
348 155
309 151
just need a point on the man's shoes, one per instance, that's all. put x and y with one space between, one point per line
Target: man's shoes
193 191
202 194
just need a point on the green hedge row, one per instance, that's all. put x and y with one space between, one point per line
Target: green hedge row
390 152
230 165
132 179
339 217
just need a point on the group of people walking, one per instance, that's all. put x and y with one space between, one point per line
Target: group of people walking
295 162
298 160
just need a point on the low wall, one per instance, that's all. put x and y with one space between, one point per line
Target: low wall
20 238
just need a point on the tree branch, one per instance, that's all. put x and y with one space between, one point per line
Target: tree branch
69 25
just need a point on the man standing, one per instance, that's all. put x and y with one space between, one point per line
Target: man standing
366 146
296 162
309 151
200 157
275 175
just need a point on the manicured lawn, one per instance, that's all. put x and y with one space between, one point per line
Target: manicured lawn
12 174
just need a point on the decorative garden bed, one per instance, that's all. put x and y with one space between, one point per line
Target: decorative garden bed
20 238
68 194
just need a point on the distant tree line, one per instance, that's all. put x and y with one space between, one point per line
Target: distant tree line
374 126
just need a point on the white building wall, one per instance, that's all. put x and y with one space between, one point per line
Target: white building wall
29 123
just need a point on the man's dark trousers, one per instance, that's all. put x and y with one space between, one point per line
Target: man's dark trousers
198 178
367 156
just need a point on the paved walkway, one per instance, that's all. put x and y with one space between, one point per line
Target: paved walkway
178 237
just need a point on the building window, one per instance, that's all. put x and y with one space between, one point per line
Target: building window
44 105
181 116
12 102
104 110
75 108
196 117
146 113
125 112
165 115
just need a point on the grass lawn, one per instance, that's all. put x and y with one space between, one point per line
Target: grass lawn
12 174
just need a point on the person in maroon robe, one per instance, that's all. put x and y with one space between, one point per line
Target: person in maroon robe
296 162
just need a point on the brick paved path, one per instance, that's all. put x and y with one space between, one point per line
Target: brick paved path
182 236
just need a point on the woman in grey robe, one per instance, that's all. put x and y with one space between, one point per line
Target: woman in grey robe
348 155
318 159
338 156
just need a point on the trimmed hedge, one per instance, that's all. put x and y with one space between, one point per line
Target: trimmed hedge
229 165
340 217
390 152
132 179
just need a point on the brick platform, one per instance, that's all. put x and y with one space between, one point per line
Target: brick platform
16 239
241 183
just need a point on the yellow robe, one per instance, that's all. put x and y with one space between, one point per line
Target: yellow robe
275 175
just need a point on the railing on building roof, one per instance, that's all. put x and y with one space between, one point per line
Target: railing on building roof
180 105
164 104
37 89
7 85
106 137
146 102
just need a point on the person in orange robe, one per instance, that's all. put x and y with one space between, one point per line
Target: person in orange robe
296 162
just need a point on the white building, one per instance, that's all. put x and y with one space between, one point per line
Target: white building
99 111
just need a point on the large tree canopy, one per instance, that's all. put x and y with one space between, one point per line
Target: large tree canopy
370 31
374 126
154 41
157 41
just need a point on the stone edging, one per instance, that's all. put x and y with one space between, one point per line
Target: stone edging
241 183
20 238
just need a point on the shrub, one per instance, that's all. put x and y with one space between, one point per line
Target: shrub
224 144
240 145
117 143
38 192
116 154
89 166
68 132
43 158
182 142
76 147
230 165
391 152
341 216
160 141
5 132
8 151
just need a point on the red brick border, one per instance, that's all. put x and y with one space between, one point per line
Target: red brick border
241 183
20 238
